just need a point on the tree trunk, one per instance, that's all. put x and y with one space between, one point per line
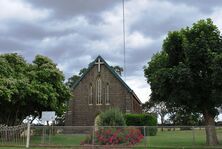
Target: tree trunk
162 121
211 136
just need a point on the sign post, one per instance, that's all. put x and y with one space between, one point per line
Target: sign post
28 136
48 116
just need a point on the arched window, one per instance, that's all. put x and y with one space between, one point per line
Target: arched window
98 91
90 94
107 100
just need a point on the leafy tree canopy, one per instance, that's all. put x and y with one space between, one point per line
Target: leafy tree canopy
188 72
27 89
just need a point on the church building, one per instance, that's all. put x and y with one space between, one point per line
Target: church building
99 88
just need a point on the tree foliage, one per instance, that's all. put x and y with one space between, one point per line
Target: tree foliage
73 79
117 69
27 89
188 72
180 117
158 108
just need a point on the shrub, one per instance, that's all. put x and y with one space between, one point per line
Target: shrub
134 136
109 136
111 117
143 120
114 136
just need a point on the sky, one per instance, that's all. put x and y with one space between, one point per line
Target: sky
74 32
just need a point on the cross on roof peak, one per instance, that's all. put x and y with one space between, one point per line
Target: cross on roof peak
99 63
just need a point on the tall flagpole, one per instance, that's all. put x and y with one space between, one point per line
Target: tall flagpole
124 41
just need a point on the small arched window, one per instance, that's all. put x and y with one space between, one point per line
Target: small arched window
107 99
98 91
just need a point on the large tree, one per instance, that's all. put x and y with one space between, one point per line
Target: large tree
188 72
27 89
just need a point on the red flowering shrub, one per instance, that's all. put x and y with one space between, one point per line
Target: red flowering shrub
133 136
109 136
114 136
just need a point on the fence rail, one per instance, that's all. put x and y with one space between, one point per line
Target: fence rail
13 135
107 136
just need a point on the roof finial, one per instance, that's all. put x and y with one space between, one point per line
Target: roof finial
99 63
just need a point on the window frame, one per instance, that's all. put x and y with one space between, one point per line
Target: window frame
107 93
98 91
90 98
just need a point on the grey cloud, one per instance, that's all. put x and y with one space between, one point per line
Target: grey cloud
26 31
63 9
73 46
206 6
141 55
137 58
11 45
30 31
156 27
23 36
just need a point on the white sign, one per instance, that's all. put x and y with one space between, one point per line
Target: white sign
48 115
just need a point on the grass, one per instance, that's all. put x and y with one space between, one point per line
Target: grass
60 139
177 138
169 139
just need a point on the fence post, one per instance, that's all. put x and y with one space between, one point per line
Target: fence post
193 135
93 135
144 131
28 135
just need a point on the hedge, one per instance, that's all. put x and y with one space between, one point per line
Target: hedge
143 120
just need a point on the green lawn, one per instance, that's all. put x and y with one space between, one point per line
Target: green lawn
177 138
169 139
60 139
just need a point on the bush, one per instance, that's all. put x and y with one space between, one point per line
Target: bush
111 117
108 136
143 120
115 136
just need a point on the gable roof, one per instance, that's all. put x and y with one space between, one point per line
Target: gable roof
112 71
